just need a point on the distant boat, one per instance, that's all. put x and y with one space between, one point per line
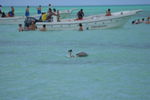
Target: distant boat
101 21
20 19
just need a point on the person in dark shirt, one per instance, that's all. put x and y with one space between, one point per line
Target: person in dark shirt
3 14
80 14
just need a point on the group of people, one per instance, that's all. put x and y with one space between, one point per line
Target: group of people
51 15
11 13
31 27
44 16
143 20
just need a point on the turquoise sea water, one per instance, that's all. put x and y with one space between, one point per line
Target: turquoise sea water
34 66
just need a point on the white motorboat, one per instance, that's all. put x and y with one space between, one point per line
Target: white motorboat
12 20
20 19
101 21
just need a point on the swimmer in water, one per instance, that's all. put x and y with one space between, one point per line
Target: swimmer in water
43 28
20 29
80 27
80 54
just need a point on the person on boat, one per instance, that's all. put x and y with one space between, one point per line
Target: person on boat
80 54
80 14
54 17
40 19
44 16
54 10
108 12
58 16
12 12
49 15
3 14
39 10
27 13
20 29
49 5
80 27
0 9
43 28
32 26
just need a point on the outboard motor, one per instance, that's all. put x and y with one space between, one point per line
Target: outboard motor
29 20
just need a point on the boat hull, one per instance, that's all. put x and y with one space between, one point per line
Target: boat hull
12 20
101 24
117 19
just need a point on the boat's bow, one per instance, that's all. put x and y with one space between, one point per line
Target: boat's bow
137 11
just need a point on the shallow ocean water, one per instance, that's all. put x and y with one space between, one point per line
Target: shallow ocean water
34 66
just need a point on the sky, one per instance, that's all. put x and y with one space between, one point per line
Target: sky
71 2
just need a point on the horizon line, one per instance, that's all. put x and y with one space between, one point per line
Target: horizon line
86 5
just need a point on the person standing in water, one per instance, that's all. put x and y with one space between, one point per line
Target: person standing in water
43 28
80 27
33 26
27 13
58 16
20 29
39 10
